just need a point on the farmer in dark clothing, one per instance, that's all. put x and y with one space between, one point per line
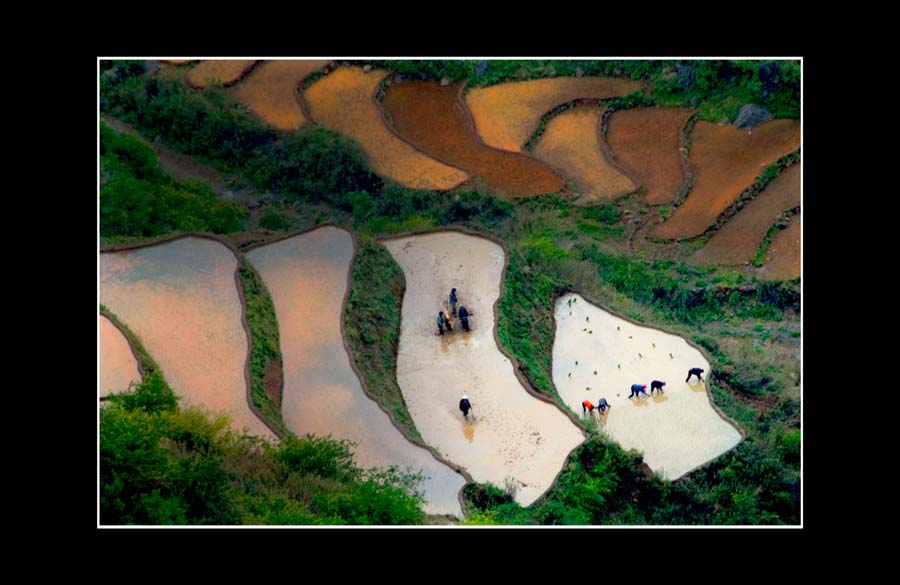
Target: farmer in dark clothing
602 405
465 406
694 372
464 317
638 389
453 301
440 322
657 385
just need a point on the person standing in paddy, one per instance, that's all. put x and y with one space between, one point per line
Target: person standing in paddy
440 322
453 301
465 406
694 372
603 405
464 317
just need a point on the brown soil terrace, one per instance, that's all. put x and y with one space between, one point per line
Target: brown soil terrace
240 289
344 100
647 142
738 240
507 114
571 143
434 118
726 161
272 91
226 71
783 256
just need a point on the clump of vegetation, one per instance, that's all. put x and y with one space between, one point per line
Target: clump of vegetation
275 219
137 198
161 464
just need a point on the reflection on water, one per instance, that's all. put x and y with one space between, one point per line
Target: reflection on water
469 431
660 398
307 278
181 300
118 366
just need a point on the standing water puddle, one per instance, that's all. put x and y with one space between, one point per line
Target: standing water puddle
118 366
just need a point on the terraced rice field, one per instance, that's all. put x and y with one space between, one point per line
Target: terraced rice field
783 256
307 278
726 161
225 72
433 117
344 101
271 91
181 300
118 366
515 439
596 354
571 144
738 240
507 114
646 142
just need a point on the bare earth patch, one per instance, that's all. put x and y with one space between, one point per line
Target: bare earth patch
726 160
433 117
226 72
507 114
647 143
344 100
783 256
739 239
571 144
271 91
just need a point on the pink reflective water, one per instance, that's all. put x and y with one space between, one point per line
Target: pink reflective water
181 300
307 278
118 366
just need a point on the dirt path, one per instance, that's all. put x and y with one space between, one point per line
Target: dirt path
307 277
515 439
647 143
571 143
738 240
181 299
434 118
726 161
596 354
344 101
507 114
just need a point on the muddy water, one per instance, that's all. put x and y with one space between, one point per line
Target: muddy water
571 143
180 298
226 71
307 277
343 100
432 117
726 161
646 142
118 366
676 431
739 239
783 256
507 114
271 91
515 435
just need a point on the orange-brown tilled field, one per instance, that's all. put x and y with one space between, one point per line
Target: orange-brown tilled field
507 114
726 161
432 117
227 72
271 91
343 100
